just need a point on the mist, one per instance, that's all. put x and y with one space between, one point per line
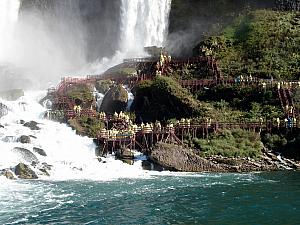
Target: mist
52 39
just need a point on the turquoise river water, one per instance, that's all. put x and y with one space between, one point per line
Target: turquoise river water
252 198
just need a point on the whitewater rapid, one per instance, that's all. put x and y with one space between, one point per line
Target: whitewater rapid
72 156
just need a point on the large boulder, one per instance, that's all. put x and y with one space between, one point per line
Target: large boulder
32 125
115 100
25 172
24 139
178 158
25 154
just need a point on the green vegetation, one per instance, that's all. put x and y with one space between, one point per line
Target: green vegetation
242 102
234 143
264 43
163 99
103 86
87 126
80 92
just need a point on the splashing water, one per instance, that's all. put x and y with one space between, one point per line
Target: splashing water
72 156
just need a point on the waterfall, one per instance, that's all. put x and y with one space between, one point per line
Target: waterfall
9 12
144 23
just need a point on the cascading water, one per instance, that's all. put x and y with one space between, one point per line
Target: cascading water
72 156
144 23
9 12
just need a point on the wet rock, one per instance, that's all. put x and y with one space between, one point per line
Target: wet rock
124 153
1 126
9 175
39 151
9 139
44 172
25 172
24 139
46 166
32 125
22 121
3 110
26 154
115 100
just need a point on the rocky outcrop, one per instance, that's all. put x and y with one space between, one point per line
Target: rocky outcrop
32 125
115 100
24 139
178 158
39 151
25 172
27 155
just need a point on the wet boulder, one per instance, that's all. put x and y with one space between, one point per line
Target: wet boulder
23 171
8 174
115 100
39 151
25 154
124 153
32 125
24 139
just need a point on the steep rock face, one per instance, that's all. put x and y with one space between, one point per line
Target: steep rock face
177 158
115 100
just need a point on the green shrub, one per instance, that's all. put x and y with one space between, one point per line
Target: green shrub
234 143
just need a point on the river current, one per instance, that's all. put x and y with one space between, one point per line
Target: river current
252 198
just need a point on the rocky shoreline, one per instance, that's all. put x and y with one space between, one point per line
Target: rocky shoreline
178 158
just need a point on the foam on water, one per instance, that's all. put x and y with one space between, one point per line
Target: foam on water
72 156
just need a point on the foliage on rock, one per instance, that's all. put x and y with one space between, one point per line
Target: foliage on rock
264 43
80 92
233 143
103 86
163 99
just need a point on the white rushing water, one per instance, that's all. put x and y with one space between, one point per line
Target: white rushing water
72 156
9 12
144 23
